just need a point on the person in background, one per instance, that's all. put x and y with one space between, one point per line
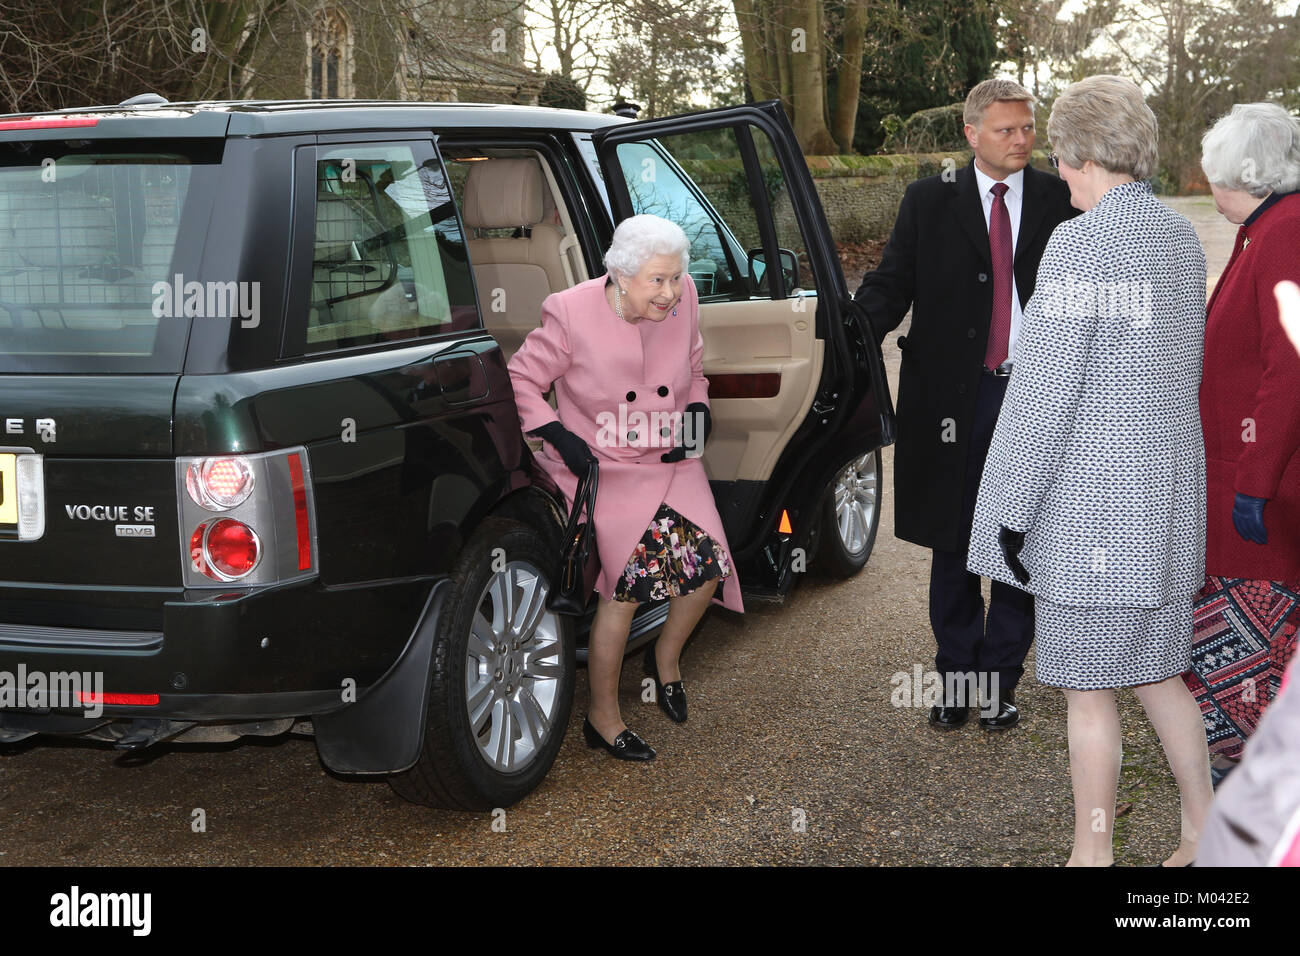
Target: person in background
1248 612
963 256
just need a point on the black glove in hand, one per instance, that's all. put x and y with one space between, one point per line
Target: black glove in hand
701 425
1011 542
577 456
1248 518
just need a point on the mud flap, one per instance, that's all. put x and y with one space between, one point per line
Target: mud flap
383 731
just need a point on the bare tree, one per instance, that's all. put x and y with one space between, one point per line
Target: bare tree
66 53
665 57
574 32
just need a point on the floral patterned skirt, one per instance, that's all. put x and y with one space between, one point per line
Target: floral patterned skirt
673 557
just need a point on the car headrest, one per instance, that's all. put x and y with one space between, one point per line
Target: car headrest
503 194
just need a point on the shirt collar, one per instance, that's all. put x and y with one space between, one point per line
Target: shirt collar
1271 199
1015 182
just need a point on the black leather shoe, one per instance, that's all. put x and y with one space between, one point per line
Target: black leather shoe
948 718
1007 716
671 697
626 746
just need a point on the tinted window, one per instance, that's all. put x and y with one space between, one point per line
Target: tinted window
706 190
87 241
656 187
388 258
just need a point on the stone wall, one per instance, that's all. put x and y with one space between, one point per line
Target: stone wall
859 193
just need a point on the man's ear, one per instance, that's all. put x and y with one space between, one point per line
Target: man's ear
970 132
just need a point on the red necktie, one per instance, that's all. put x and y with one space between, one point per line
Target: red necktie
1000 247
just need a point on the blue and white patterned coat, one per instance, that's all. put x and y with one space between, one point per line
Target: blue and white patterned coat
1098 453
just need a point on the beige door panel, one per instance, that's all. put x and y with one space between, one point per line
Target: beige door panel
756 337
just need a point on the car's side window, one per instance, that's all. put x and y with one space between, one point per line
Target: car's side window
724 231
656 187
388 259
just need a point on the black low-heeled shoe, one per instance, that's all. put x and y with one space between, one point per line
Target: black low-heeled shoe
626 746
672 696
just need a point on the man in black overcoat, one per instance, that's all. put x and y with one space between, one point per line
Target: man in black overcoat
950 259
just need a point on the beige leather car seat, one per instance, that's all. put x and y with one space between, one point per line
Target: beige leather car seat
513 275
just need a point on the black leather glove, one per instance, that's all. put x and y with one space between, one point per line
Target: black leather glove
1248 518
1011 542
698 436
577 456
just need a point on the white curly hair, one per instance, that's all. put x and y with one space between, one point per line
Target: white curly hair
638 239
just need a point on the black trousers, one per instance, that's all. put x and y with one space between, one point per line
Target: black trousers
968 641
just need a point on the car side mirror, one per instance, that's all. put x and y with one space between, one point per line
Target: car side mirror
758 269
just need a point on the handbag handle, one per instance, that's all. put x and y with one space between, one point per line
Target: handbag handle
584 500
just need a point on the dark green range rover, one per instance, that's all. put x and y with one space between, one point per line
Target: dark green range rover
261 469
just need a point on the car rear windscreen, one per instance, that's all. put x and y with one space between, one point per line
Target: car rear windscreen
91 237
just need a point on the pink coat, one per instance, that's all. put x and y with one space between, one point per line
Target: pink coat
617 385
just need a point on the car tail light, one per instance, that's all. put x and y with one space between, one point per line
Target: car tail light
219 484
225 549
265 532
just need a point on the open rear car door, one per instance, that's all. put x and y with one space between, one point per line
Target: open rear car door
797 386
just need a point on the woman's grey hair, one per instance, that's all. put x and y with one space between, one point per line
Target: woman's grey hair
638 239
1105 119
1255 148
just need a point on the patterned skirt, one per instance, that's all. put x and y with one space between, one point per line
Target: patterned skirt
673 557
1094 648
1245 637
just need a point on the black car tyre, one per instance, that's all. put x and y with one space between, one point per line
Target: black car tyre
850 517
501 681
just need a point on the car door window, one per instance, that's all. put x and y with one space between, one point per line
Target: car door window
388 256
700 181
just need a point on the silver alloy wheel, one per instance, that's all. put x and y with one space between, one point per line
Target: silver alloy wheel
513 667
856 499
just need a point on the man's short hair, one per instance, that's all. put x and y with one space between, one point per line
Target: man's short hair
993 91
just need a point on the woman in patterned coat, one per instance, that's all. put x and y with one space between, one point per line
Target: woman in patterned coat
1093 494
1247 614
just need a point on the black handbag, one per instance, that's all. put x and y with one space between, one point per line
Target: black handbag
579 565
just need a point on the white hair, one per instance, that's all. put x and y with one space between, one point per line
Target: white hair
638 239
1255 148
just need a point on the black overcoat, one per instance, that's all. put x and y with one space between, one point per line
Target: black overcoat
937 263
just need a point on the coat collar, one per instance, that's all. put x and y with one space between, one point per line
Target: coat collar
969 209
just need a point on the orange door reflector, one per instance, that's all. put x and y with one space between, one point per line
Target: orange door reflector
784 527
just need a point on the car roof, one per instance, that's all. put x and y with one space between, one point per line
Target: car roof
277 117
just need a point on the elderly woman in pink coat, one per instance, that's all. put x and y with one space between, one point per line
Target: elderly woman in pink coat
624 353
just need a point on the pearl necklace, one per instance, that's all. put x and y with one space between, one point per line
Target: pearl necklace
618 303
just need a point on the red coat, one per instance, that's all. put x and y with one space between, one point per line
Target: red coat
610 375
1250 388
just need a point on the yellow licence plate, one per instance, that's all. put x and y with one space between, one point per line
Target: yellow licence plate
8 490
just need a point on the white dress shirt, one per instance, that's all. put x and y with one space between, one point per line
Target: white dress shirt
1014 197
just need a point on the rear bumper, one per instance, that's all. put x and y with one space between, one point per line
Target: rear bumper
284 651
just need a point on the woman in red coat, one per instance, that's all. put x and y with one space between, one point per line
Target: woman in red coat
1246 616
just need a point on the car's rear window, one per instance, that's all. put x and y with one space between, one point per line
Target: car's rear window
92 235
